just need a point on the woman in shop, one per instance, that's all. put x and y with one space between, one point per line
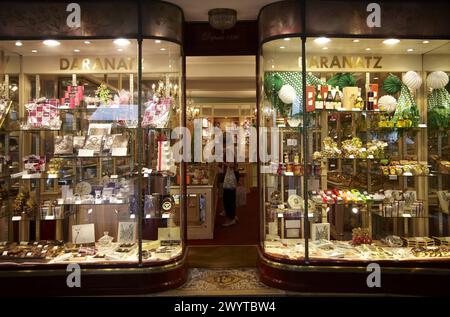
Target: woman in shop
230 182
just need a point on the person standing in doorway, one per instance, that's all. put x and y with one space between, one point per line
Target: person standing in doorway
230 182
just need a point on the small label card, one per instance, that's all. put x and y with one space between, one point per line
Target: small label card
280 215
28 176
166 216
120 151
407 216
16 218
85 153
422 125
289 173
49 217
114 176
393 177
291 142
407 174
91 107
370 157
52 175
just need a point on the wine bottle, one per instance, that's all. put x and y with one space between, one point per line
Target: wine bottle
319 99
370 99
337 99
329 99
359 104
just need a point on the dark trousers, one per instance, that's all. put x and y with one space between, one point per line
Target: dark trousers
229 202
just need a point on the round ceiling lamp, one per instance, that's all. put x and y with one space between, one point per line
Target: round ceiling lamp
222 19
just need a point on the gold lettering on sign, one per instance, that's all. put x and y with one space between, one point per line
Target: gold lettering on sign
95 64
338 62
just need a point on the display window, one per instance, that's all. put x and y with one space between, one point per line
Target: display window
374 154
73 139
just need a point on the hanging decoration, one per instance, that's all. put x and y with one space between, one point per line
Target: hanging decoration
387 103
406 113
437 80
412 80
392 84
287 94
342 80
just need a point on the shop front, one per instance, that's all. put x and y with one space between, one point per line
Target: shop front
91 202
353 175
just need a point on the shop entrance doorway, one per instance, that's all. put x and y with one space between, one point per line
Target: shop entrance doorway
221 95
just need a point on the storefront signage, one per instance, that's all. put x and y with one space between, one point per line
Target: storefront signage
344 61
374 18
74 18
98 63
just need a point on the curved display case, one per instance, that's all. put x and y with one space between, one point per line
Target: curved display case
357 168
86 156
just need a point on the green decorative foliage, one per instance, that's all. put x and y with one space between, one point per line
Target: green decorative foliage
448 85
406 107
342 80
439 109
104 94
272 83
392 84
312 80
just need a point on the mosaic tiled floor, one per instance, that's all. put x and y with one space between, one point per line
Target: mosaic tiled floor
207 282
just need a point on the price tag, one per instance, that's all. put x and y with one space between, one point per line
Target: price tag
28 176
132 216
91 107
422 125
5 253
370 157
166 216
291 142
121 151
393 177
78 202
407 216
407 174
310 215
147 216
351 156
85 153
49 217
52 175
114 176
29 254
64 107
280 215
16 218
289 173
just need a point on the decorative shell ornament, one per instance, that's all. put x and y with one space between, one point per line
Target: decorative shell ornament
437 80
387 103
412 80
287 94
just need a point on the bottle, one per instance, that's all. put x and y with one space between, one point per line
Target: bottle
319 99
370 99
296 158
329 99
359 104
337 99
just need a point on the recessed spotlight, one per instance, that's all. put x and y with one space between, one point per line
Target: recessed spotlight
410 49
19 43
368 49
425 42
375 78
322 40
33 51
120 49
355 41
325 48
157 41
273 66
87 42
122 42
51 43
282 47
391 41
287 39
76 50
162 49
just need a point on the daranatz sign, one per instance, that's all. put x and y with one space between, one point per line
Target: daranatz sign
344 61
98 63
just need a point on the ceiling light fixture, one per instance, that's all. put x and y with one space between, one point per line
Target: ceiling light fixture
19 43
222 18
391 41
33 51
425 42
87 42
122 42
287 39
355 41
368 49
282 47
325 48
76 50
410 49
322 40
51 43
120 49
157 41
162 49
